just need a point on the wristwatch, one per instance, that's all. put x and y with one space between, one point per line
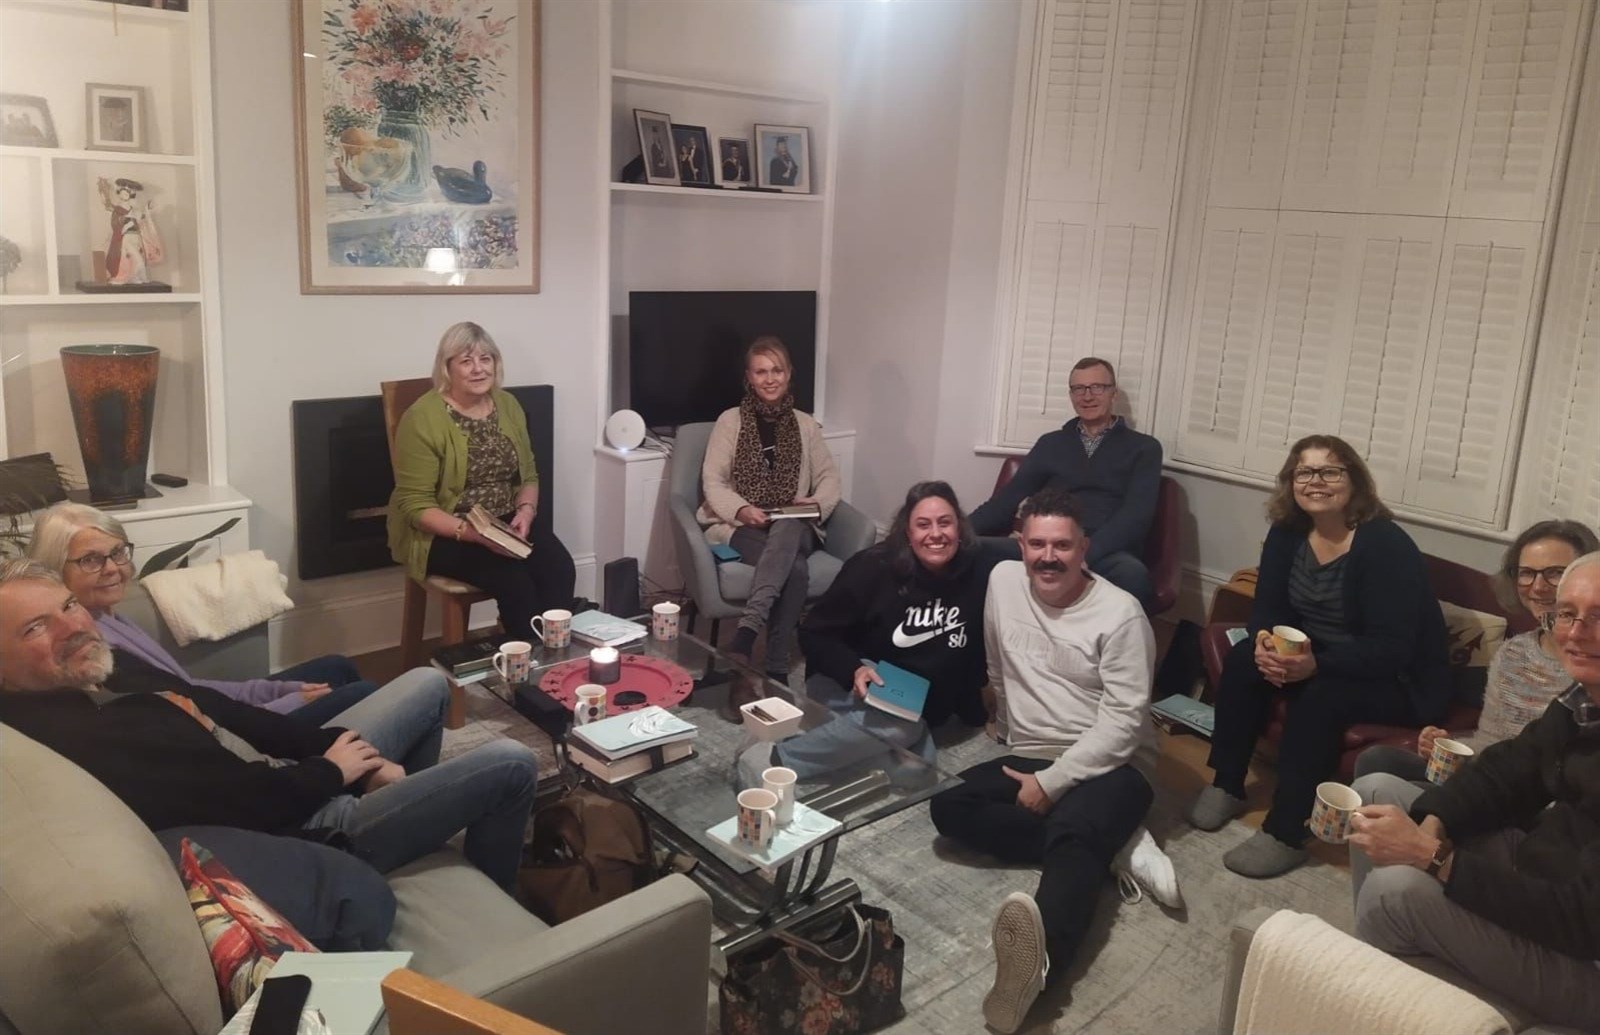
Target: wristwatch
1441 855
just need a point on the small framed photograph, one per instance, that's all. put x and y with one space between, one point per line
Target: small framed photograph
655 143
783 158
694 155
115 119
25 121
733 161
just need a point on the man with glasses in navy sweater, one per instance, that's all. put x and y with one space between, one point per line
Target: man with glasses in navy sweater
1112 472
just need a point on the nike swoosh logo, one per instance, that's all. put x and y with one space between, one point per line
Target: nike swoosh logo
902 639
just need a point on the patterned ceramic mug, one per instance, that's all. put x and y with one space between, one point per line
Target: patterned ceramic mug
1447 757
758 818
1330 816
664 621
554 628
514 660
591 706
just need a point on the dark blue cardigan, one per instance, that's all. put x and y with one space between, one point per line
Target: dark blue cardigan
1398 632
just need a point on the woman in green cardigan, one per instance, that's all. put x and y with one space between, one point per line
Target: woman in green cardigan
466 443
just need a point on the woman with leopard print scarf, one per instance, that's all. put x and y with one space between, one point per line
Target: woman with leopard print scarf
765 454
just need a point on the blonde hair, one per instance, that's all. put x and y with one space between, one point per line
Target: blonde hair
53 532
458 339
1588 560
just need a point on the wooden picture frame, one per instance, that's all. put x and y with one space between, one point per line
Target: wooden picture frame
783 158
114 118
656 149
417 146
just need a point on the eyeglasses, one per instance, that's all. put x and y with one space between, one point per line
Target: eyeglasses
1327 475
1567 619
1093 391
93 562
1551 575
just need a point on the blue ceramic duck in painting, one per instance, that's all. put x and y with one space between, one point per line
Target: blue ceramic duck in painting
459 186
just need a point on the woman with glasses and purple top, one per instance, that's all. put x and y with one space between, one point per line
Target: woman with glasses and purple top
1525 674
1336 567
90 549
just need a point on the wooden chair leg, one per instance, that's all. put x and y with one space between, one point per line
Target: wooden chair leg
413 612
455 631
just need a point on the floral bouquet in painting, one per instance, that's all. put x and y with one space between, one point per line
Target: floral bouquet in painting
419 65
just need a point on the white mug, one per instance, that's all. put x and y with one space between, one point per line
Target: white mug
664 621
554 628
1330 815
518 658
591 706
758 821
780 781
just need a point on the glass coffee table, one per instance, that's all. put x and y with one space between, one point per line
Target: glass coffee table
685 799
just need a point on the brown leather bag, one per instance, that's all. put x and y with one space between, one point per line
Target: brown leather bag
588 848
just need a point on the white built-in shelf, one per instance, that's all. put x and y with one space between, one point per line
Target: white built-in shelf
81 155
104 11
623 75
110 298
709 192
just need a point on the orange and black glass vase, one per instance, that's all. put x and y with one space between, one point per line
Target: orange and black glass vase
112 389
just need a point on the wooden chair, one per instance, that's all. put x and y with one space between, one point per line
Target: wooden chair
418 1005
455 597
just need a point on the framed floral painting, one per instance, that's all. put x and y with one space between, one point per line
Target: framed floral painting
417 135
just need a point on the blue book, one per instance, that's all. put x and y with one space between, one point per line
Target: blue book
1186 711
724 552
903 693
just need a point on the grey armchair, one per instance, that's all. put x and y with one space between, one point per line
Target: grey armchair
719 591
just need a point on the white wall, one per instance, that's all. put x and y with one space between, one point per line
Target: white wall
925 109
279 345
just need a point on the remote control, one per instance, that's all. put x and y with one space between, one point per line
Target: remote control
170 481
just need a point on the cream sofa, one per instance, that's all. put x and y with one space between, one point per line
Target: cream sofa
96 934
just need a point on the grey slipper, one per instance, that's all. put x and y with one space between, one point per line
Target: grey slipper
1262 855
1213 808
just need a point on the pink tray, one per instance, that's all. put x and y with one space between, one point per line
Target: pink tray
661 682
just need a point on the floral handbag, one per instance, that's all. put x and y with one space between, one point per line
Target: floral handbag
845 982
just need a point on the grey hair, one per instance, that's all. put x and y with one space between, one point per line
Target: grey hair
53 532
461 338
26 569
1585 561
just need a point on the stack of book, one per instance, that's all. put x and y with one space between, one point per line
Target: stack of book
627 745
599 629
464 661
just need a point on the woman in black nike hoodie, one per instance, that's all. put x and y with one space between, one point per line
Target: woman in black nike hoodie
916 601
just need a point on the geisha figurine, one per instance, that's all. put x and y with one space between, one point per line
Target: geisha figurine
135 244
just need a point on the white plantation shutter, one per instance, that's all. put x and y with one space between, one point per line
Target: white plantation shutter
1397 269
1104 127
1471 385
1373 217
1261 62
1235 258
1521 66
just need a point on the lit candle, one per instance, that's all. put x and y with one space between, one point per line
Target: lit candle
605 665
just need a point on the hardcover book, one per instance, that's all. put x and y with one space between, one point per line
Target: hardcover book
902 693
497 532
619 736
599 629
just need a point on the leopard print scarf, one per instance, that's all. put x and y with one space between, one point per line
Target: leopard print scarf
752 479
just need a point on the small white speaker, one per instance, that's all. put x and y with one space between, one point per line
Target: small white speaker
625 430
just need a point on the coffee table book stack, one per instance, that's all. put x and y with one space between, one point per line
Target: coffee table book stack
628 745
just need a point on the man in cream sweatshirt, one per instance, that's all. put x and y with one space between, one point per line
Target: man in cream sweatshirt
1070 659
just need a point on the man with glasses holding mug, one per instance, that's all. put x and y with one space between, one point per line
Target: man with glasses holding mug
1111 471
1497 871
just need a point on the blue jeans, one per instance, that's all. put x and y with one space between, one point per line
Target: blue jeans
488 792
857 732
339 672
404 720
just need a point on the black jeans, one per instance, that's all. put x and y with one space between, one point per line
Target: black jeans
1075 843
1320 710
522 589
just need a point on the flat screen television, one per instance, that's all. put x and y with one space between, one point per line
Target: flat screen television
685 348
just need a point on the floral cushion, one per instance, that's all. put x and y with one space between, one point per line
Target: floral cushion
244 935
1474 635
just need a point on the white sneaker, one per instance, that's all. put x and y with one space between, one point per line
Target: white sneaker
1143 863
1019 963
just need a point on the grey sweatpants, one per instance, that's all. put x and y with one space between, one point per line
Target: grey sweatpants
1403 911
778 588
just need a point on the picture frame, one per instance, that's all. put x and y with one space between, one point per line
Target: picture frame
783 158
733 161
114 118
417 146
25 121
656 149
693 147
